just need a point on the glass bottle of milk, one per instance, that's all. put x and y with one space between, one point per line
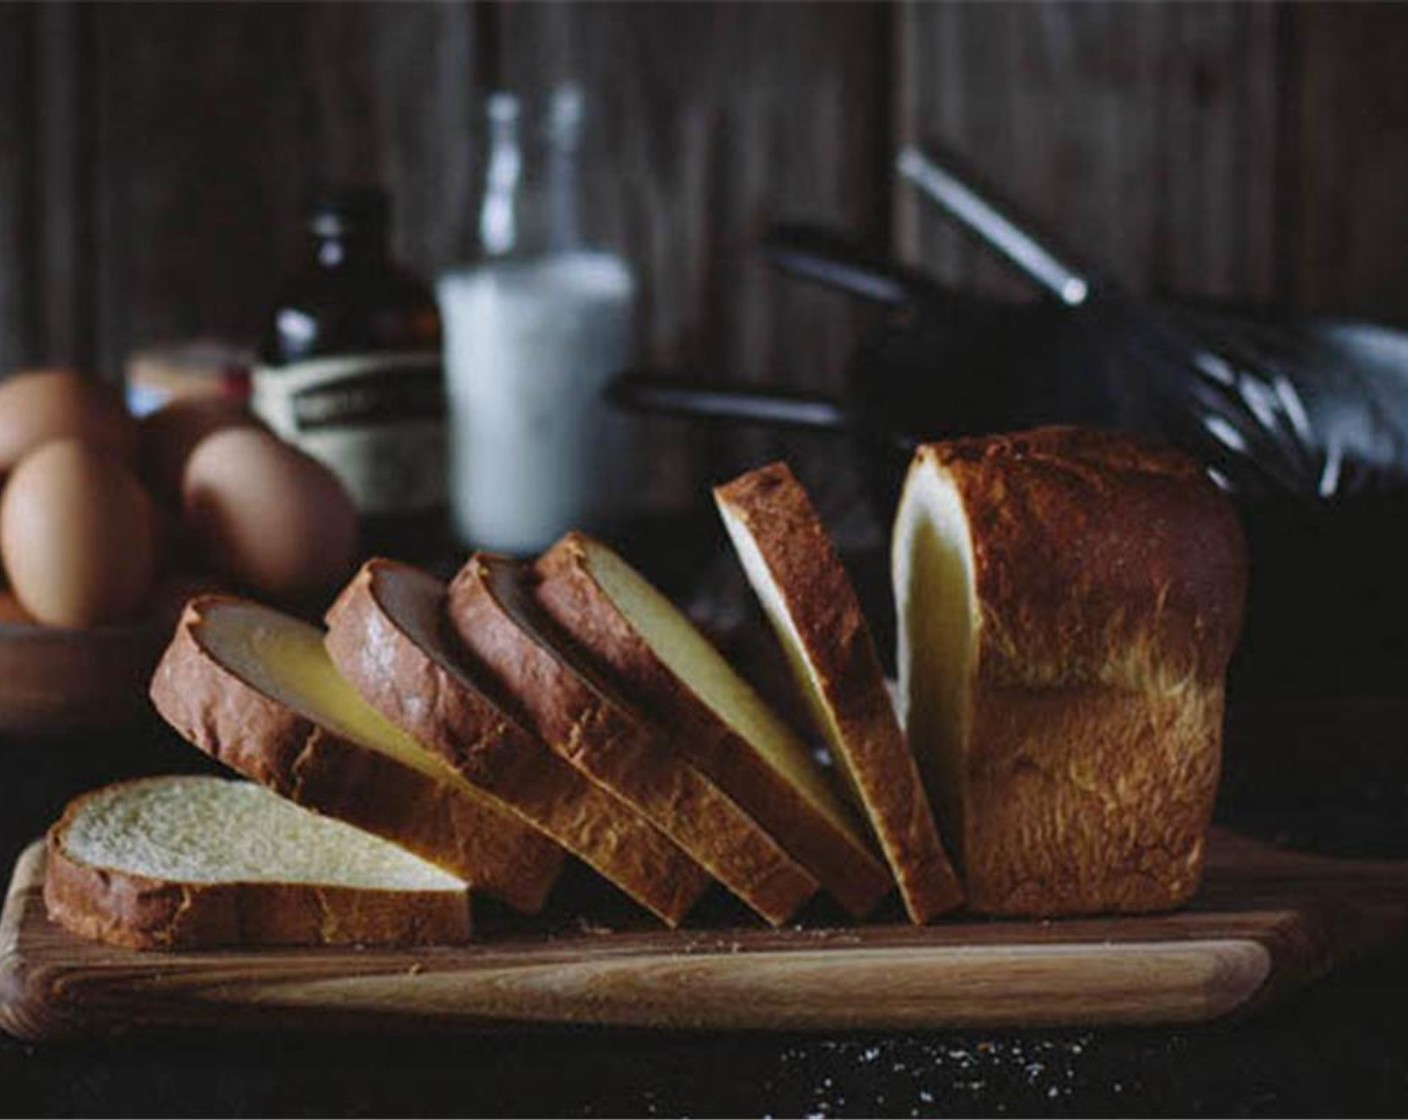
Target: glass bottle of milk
533 332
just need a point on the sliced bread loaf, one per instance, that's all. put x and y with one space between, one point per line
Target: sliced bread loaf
808 599
197 862
386 637
1068 601
531 668
665 667
255 689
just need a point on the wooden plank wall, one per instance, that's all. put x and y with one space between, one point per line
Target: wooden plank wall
16 316
1146 134
216 122
1349 210
153 158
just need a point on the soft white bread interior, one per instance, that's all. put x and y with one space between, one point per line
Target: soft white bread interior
200 861
808 598
937 638
676 676
1068 601
386 634
198 829
256 689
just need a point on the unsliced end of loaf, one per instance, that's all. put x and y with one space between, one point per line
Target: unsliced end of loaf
201 862
1068 601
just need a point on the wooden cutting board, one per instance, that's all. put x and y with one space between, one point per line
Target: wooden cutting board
1265 922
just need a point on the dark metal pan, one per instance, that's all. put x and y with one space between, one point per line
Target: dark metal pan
946 363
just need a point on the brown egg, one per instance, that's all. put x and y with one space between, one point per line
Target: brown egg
40 405
272 519
77 534
170 434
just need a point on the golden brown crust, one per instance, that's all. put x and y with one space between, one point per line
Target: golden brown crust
1110 577
1086 542
1089 800
610 743
429 696
571 596
265 740
774 508
138 912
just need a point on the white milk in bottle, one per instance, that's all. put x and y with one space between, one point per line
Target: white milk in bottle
530 345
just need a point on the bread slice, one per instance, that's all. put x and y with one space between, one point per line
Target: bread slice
197 862
386 637
666 668
255 689
808 598
1068 602
531 667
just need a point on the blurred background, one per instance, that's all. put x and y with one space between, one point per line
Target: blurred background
155 161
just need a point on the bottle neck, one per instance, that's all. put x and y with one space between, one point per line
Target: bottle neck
501 212
532 185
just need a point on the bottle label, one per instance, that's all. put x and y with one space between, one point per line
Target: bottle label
376 420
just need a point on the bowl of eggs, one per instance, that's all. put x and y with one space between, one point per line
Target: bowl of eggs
109 523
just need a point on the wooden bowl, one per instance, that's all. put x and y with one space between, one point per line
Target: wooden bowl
57 681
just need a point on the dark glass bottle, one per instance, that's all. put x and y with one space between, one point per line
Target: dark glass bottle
351 372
